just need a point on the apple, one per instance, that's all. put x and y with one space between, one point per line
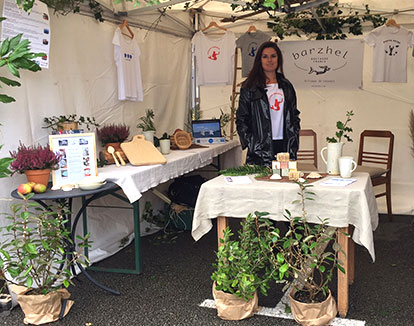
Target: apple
39 188
24 189
31 184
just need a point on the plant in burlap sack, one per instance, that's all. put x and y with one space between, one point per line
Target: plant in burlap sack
37 250
240 267
303 255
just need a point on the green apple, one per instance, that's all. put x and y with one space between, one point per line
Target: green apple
24 188
39 188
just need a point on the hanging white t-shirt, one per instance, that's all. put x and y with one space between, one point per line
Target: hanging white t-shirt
390 53
276 103
126 54
214 58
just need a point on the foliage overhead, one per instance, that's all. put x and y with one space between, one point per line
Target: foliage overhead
327 21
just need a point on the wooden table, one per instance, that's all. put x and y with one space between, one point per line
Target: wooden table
351 207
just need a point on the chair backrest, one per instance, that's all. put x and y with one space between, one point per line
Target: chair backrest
309 154
383 156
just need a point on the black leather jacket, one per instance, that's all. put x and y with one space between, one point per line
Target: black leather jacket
254 124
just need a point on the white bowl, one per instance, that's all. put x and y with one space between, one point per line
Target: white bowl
92 180
90 186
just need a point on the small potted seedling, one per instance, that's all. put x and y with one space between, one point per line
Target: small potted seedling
165 143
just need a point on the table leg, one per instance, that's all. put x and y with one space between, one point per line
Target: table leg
351 258
222 223
343 279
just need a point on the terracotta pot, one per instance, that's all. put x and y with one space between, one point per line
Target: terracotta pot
231 307
313 314
38 176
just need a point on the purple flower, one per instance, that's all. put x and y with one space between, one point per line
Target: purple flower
33 157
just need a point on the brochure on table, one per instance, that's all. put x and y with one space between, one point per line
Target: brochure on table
78 157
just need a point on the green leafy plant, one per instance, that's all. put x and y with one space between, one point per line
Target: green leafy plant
247 169
146 122
55 122
165 136
240 267
4 165
113 133
37 250
343 130
15 54
302 254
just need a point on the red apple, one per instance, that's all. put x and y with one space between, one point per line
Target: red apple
39 188
24 188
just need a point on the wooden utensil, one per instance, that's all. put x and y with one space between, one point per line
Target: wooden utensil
111 151
120 158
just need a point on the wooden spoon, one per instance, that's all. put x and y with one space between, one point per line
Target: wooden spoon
111 150
120 158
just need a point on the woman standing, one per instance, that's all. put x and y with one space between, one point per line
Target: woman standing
267 118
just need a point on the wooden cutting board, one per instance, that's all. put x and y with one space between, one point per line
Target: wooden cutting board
142 152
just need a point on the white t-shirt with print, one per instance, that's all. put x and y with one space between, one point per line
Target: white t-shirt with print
126 55
390 53
276 103
214 58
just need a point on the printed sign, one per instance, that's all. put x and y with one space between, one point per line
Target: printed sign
323 64
35 27
78 157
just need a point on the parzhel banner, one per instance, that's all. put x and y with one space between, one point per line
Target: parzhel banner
323 64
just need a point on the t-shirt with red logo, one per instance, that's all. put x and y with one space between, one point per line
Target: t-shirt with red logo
276 104
214 58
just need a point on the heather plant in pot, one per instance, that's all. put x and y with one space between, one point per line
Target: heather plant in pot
239 271
305 256
113 133
34 159
37 253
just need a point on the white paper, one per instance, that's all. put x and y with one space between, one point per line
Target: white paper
35 27
338 182
239 180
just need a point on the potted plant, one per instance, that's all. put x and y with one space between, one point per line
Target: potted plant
69 122
36 161
303 258
335 145
165 143
113 133
37 253
239 271
146 123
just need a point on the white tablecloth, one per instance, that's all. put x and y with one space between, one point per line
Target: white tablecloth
354 204
135 180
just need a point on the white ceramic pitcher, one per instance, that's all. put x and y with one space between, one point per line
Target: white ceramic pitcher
332 161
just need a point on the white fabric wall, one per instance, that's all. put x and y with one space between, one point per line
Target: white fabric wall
82 79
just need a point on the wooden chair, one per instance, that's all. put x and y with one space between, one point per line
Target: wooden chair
307 157
380 173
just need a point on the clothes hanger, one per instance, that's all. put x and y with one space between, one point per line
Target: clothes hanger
392 22
213 24
125 24
252 29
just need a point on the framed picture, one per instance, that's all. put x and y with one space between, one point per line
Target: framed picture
78 157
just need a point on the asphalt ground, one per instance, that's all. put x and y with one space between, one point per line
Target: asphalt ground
176 279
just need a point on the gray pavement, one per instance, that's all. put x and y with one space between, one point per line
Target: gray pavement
176 279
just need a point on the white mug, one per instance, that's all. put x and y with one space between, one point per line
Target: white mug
345 166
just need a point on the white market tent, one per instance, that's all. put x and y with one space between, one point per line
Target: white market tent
82 79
